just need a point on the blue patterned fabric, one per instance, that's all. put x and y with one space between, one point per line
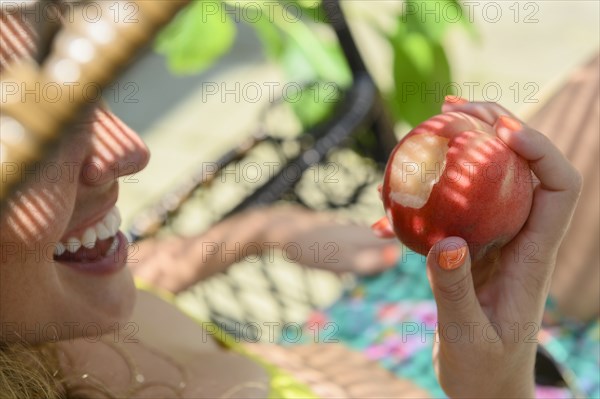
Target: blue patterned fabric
391 318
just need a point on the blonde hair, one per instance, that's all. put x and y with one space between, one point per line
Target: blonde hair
28 372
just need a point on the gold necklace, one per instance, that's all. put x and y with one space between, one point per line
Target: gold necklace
87 381
84 382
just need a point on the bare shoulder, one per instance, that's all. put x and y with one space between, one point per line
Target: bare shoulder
166 354
164 325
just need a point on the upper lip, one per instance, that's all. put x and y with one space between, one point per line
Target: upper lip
76 231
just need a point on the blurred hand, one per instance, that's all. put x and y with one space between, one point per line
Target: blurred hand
309 238
319 240
489 312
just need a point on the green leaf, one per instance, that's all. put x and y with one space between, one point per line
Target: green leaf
311 10
309 3
196 39
296 65
301 68
433 18
465 23
322 56
421 17
420 51
271 37
316 103
421 69
422 77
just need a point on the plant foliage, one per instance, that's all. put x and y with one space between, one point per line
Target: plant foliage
294 34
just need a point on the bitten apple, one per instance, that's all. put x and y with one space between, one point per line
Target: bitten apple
452 176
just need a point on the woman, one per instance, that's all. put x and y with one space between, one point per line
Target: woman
66 229
63 301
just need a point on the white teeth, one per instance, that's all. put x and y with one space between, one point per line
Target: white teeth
117 215
102 231
73 245
59 249
111 223
113 246
106 228
89 238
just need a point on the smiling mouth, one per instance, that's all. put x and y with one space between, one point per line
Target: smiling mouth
96 242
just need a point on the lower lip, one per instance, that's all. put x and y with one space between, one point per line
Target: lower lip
106 265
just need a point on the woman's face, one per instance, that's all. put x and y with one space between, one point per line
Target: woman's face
62 271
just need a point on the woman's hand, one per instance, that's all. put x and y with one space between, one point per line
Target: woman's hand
488 322
176 263
309 238
320 240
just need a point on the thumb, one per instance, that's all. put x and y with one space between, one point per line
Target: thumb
449 273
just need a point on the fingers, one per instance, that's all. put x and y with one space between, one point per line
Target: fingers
487 112
376 260
560 184
549 164
449 272
383 229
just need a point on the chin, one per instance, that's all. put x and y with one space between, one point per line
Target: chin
117 302
98 305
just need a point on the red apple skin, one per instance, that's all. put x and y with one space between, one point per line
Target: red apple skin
485 196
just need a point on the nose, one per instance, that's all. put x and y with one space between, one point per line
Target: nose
116 150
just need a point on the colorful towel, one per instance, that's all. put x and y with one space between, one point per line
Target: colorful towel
391 318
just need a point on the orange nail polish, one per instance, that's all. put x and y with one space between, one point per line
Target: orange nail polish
455 100
510 123
383 229
452 258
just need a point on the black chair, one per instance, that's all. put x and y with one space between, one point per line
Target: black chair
359 113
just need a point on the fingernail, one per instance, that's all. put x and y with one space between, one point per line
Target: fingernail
452 258
382 228
509 123
390 255
455 100
380 191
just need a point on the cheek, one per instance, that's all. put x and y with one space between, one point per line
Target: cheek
45 202
31 222
37 214
92 299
